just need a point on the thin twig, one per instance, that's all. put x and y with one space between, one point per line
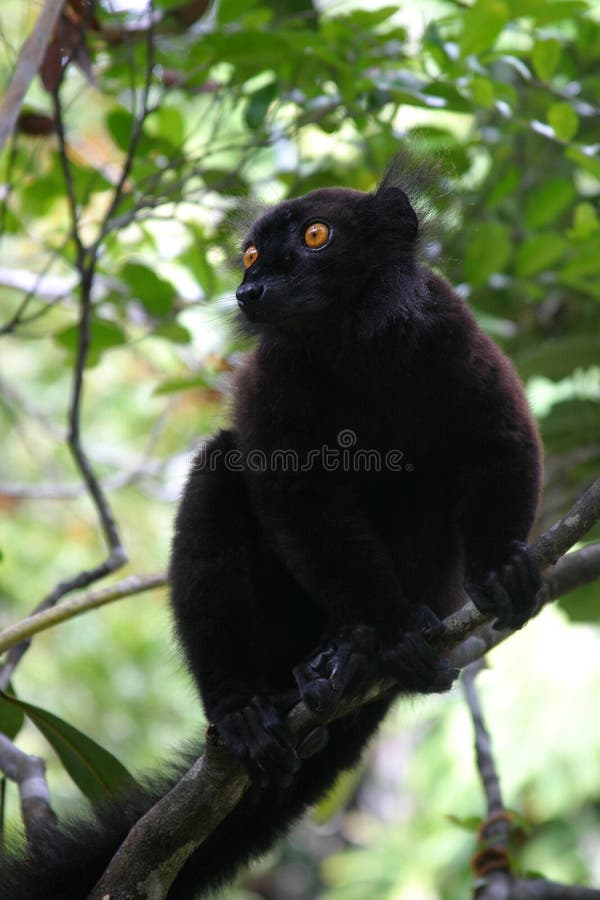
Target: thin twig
134 140
491 862
18 317
483 745
49 491
69 182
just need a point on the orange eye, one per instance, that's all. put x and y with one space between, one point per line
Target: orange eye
250 256
316 235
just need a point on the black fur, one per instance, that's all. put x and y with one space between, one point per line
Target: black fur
305 579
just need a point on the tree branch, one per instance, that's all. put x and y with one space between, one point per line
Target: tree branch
479 636
128 587
28 64
574 525
546 549
175 827
29 774
540 889
158 845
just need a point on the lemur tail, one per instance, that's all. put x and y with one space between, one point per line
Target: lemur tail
72 859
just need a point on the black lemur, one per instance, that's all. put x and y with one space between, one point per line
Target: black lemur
381 465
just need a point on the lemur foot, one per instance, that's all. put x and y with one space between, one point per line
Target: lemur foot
257 735
510 592
357 656
412 660
337 670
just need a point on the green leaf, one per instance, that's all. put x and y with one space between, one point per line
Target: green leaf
245 47
583 284
482 23
558 357
564 120
121 124
154 293
284 9
482 91
548 11
523 7
572 423
39 196
585 221
582 604
258 105
11 717
587 41
103 336
494 325
539 252
468 823
488 251
587 160
234 10
195 259
173 385
504 185
452 98
224 181
167 124
519 821
95 771
546 56
584 261
203 272
544 11
174 332
368 19
168 4
547 201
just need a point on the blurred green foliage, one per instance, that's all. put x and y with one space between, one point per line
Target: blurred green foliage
253 102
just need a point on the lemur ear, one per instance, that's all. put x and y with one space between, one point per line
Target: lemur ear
399 209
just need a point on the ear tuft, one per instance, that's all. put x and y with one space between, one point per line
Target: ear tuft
399 208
